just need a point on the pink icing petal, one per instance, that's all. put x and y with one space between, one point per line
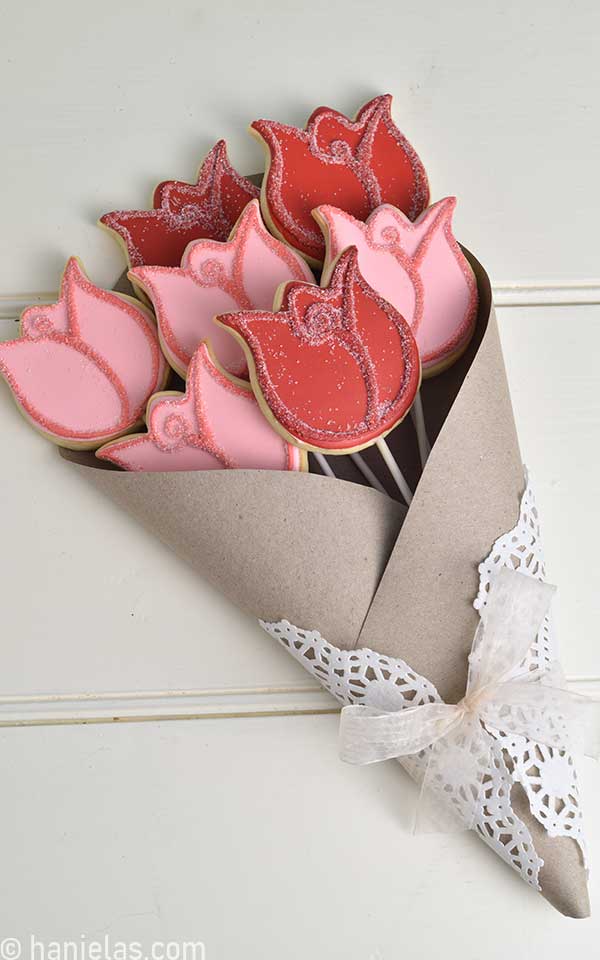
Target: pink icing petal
172 421
231 416
263 262
141 453
417 267
391 275
410 234
216 278
84 367
46 375
119 331
185 311
38 321
216 424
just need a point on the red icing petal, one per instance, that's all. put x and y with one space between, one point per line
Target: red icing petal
338 367
355 165
312 389
184 212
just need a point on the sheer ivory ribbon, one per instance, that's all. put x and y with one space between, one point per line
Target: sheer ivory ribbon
454 737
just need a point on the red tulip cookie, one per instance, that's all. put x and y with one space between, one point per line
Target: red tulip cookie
335 369
355 164
83 368
215 425
418 267
183 212
214 277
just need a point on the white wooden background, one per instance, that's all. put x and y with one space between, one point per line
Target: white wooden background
247 832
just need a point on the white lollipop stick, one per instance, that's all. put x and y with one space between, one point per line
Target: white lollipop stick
324 465
418 418
394 469
368 473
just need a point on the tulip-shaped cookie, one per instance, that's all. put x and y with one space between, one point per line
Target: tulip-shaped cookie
214 277
83 368
420 269
334 368
355 164
215 425
183 212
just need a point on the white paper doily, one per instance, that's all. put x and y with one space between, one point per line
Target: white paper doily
547 775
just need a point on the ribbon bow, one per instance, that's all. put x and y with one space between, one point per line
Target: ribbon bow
453 739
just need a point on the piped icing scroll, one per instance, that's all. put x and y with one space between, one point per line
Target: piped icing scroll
183 212
355 164
418 267
215 277
215 425
334 368
83 368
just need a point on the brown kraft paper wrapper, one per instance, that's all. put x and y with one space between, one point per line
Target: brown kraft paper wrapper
343 559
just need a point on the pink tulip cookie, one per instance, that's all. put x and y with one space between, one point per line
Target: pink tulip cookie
183 212
355 164
334 369
83 368
241 274
215 425
418 267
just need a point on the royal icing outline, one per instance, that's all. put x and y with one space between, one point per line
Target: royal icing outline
200 429
330 320
67 342
389 238
372 118
202 216
218 277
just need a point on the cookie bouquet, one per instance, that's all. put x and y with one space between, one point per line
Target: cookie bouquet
300 389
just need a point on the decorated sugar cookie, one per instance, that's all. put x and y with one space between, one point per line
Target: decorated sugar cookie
334 368
214 277
83 368
183 212
418 267
355 164
215 425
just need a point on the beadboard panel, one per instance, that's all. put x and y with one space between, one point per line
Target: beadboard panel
102 622
502 102
253 838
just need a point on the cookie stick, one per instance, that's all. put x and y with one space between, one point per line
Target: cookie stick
335 369
367 473
324 465
360 463
418 418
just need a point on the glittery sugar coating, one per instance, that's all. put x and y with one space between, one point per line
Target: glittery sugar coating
355 165
418 267
184 212
215 425
336 367
83 368
214 277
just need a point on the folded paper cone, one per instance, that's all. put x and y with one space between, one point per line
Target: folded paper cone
342 559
